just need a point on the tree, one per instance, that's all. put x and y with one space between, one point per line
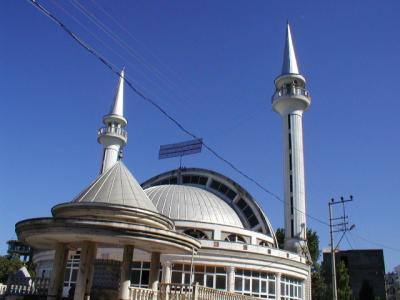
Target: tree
8 265
280 237
343 282
312 242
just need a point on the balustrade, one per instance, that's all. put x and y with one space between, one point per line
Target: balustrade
37 286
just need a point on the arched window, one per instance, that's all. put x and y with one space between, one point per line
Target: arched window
198 234
265 244
235 238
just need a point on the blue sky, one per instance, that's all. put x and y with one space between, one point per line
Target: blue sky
211 64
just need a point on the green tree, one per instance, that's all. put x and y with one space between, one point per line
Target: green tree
343 282
312 242
280 237
8 265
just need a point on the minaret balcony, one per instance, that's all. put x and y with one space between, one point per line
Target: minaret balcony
113 132
291 91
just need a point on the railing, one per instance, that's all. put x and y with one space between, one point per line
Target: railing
113 130
291 91
170 291
3 289
136 293
35 287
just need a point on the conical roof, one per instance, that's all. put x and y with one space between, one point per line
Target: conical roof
118 106
116 186
289 55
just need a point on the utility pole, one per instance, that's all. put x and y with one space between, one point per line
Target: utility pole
338 224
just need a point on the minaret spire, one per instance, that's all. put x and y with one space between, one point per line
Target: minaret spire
118 105
290 100
113 136
289 55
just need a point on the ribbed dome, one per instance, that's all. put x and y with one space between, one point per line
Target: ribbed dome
116 186
189 203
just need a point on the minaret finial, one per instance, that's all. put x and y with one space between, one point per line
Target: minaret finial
113 136
289 56
118 105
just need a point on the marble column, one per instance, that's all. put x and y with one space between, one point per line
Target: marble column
278 286
231 279
154 268
167 272
57 276
85 272
126 270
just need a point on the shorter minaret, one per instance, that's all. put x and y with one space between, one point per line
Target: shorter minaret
290 100
113 136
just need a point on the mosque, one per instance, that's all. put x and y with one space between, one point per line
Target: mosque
184 226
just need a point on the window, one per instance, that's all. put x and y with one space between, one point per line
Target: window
291 288
169 180
248 212
71 271
198 234
223 189
255 283
235 238
194 179
264 244
140 274
210 276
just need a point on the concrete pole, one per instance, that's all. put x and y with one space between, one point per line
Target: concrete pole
57 276
85 272
231 279
278 286
125 280
154 268
334 290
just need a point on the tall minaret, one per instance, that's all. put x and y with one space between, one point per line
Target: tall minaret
113 136
290 100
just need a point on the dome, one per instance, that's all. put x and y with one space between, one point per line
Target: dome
189 203
117 186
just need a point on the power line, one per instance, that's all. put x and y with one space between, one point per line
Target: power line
376 243
115 70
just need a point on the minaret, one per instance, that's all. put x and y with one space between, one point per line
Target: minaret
113 136
290 100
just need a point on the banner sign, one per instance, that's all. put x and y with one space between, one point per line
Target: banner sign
180 149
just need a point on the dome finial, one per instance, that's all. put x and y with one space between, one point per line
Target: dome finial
289 56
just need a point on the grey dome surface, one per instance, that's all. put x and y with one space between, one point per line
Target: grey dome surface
189 203
116 186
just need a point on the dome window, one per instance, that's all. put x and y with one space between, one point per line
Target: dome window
198 234
235 238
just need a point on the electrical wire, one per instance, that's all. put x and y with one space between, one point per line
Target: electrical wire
376 243
116 70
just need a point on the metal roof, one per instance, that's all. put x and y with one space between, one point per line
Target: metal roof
116 186
189 203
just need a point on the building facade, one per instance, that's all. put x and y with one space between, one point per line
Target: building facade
366 269
184 226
